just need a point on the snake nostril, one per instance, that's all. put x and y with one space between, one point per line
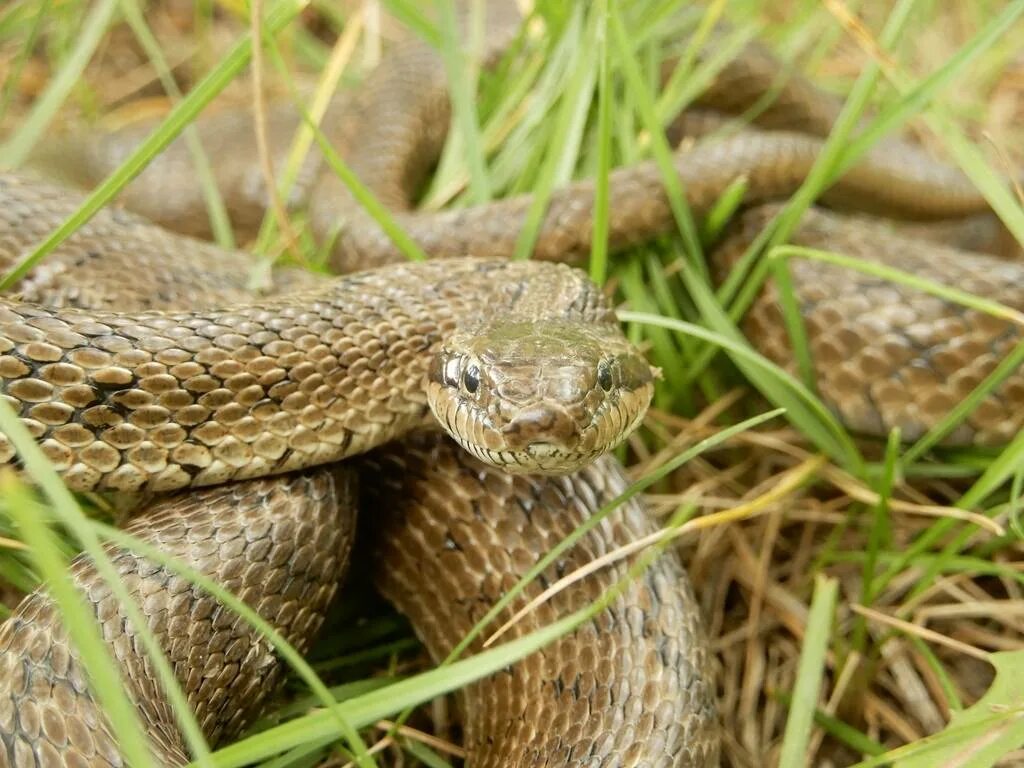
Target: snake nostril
541 424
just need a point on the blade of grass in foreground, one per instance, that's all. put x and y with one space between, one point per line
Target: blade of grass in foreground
809 674
599 250
644 104
425 754
462 82
879 536
998 472
973 163
16 67
97 661
935 751
849 117
15 151
410 15
812 417
302 141
363 195
915 98
964 151
220 224
567 134
183 114
103 672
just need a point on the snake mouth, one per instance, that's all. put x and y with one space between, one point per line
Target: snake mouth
540 458
550 454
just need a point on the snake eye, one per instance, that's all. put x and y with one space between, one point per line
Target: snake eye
604 375
471 379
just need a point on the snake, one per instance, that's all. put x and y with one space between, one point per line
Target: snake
237 412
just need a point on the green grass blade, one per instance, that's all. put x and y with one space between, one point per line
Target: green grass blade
302 141
849 117
408 12
688 81
995 475
665 352
363 195
663 155
810 672
567 134
18 65
14 14
811 416
725 208
1006 367
901 277
425 754
914 99
102 670
844 732
987 731
220 224
16 150
124 723
792 318
599 250
183 114
972 162
879 536
1014 514
462 85
938 668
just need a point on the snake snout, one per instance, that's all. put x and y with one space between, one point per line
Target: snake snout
541 424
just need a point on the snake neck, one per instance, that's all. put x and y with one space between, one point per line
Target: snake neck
138 401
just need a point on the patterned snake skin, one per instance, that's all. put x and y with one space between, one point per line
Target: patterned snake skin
280 545
630 689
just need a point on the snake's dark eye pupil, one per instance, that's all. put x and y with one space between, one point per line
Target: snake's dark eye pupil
604 376
471 379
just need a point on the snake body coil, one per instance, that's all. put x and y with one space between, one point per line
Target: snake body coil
281 546
631 685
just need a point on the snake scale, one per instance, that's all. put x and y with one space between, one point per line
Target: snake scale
184 380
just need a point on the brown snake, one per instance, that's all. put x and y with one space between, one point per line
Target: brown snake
126 400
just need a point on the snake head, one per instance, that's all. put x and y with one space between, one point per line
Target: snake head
539 397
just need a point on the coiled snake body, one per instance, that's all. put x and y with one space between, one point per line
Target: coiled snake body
521 361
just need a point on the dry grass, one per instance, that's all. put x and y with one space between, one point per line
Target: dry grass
754 582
